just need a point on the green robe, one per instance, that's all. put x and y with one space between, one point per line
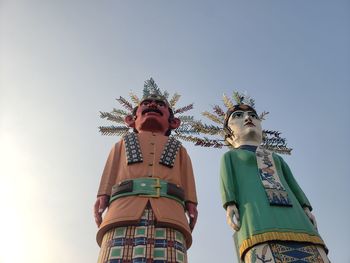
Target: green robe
261 222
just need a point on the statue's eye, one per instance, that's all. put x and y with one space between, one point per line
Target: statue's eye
253 115
237 114
160 103
145 102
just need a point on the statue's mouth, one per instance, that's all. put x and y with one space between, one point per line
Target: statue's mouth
250 124
152 110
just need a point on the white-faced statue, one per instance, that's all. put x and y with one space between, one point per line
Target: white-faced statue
242 126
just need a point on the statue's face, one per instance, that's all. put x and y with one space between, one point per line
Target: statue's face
152 115
245 127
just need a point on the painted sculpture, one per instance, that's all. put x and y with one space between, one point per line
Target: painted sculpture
264 204
147 184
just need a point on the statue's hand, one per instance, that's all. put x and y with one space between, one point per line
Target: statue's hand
192 213
231 212
100 206
310 216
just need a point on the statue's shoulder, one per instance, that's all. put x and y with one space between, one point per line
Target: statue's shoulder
176 144
125 139
118 144
174 140
277 156
230 153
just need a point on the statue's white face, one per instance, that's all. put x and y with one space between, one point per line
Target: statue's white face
246 128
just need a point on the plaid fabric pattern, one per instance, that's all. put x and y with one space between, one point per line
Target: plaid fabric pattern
143 243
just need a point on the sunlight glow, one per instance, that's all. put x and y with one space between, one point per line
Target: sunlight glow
23 234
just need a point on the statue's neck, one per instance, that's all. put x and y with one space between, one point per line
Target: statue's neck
251 148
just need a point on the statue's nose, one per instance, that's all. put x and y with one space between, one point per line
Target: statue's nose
153 104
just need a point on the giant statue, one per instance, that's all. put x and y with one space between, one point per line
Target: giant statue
147 185
264 204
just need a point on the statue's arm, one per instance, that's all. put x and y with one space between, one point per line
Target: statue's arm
298 192
310 216
228 194
232 217
189 186
100 206
106 183
294 186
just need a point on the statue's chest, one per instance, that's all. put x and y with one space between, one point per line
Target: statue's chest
133 150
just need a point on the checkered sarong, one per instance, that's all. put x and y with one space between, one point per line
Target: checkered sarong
143 243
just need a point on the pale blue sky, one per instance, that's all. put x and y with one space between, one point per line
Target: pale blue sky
61 62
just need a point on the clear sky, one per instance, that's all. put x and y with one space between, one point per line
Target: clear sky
61 62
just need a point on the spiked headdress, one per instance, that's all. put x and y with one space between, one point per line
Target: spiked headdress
150 91
215 135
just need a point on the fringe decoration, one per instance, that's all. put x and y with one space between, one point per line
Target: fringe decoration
279 149
207 129
219 111
187 127
166 94
150 87
204 142
134 98
113 130
126 104
120 112
111 117
213 117
174 100
243 99
249 101
228 103
263 114
237 97
184 109
185 119
273 142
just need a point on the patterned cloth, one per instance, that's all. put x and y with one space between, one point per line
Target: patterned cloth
143 243
286 252
275 191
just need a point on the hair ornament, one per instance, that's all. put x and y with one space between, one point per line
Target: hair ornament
214 135
151 91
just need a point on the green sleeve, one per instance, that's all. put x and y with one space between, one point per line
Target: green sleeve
227 181
298 192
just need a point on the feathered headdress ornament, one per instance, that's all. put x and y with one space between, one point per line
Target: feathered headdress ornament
214 135
152 91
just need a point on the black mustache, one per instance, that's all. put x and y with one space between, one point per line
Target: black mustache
152 110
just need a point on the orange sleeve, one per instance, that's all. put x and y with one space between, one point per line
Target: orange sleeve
187 177
109 174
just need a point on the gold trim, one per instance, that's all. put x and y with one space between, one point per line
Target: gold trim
157 186
280 236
